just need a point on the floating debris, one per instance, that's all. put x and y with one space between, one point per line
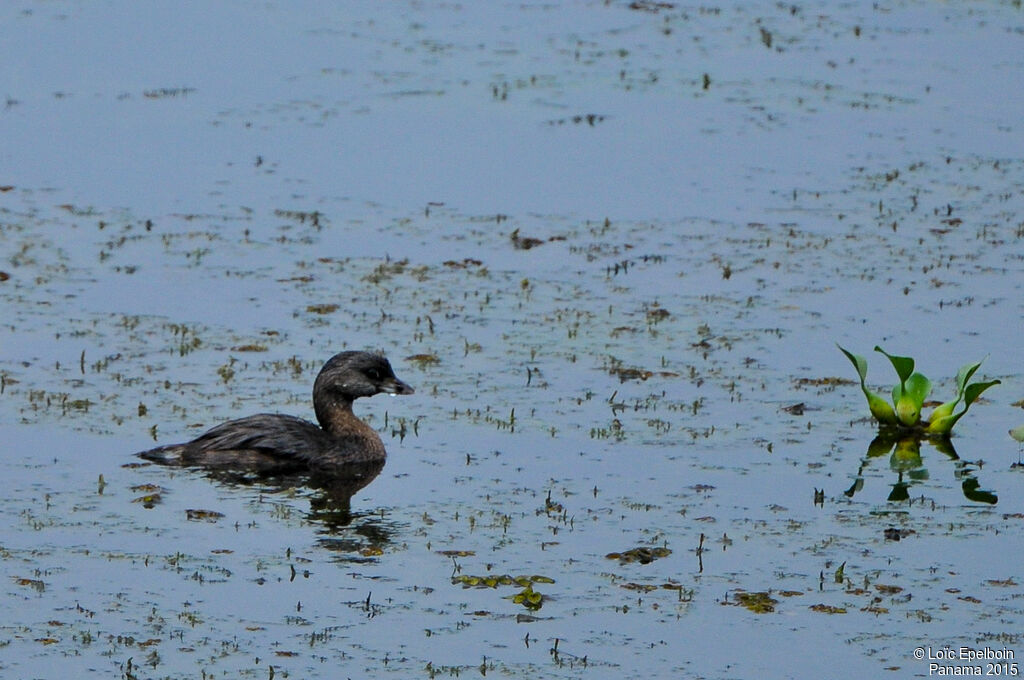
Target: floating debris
524 242
495 580
149 500
301 216
650 6
827 609
424 360
249 348
165 92
456 553
194 515
33 583
641 554
327 308
529 598
656 314
759 603
829 381
590 119
630 373
888 590
464 263
641 587
894 534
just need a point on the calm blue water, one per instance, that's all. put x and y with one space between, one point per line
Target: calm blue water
201 203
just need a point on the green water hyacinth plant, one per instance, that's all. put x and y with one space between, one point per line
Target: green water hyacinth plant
910 393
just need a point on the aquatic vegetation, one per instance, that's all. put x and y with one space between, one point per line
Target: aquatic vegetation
696 450
424 360
909 395
495 580
527 597
641 554
198 515
151 496
759 603
324 308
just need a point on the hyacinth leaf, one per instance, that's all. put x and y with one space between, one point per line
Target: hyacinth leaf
965 373
904 365
943 410
880 408
945 424
859 362
1018 433
915 391
962 376
918 387
974 391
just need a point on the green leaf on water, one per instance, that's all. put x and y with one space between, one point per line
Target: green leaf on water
916 389
878 406
859 362
881 409
904 365
913 388
945 424
943 410
1018 433
963 375
974 391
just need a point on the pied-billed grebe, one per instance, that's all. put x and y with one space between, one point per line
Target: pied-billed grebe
275 443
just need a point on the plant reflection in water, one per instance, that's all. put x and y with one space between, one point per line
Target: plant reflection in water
906 461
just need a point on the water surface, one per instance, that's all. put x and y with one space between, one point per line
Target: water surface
201 204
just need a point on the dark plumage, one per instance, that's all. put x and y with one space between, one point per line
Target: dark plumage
275 443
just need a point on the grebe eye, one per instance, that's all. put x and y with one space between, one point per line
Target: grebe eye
373 374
